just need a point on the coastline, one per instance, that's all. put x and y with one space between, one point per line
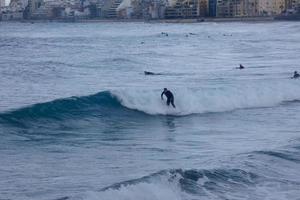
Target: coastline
184 21
192 20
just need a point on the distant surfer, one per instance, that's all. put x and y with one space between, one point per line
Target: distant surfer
151 73
148 73
169 95
296 75
241 67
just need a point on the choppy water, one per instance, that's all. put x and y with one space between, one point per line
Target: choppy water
79 119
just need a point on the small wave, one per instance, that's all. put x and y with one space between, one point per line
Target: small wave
119 60
260 179
63 198
185 177
179 184
261 67
285 155
58 109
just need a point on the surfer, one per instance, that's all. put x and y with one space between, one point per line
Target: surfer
241 67
169 95
296 75
151 73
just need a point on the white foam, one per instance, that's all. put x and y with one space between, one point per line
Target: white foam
219 99
156 189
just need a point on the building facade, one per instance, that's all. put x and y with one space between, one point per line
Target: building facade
212 8
2 3
145 9
231 8
237 8
292 5
271 7
251 8
188 9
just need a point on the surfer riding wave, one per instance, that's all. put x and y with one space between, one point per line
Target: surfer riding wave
170 97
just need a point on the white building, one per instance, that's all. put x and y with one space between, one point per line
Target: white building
2 3
18 5
271 7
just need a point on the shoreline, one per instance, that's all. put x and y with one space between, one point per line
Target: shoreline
203 20
184 21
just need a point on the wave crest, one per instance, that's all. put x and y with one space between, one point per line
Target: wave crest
213 99
188 101
178 184
102 102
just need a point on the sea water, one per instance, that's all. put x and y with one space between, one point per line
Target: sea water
79 120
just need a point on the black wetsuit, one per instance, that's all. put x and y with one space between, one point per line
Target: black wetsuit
296 75
170 97
148 73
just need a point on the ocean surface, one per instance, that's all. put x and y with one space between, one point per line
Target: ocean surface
79 120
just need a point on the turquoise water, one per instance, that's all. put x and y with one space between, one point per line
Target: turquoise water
80 120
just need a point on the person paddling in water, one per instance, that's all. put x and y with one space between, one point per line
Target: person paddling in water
241 67
169 95
296 75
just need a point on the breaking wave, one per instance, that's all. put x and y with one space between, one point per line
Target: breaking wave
179 184
254 178
188 101
205 100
